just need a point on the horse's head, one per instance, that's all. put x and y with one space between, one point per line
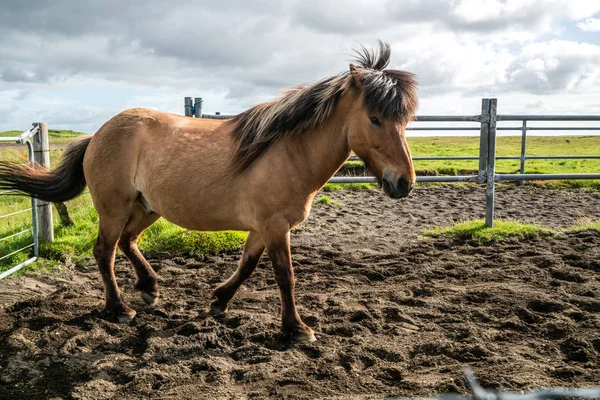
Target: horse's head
386 101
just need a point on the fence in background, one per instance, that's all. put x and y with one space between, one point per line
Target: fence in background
42 229
24 138
487 157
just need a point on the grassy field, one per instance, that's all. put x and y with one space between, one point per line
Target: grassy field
509 146
75 243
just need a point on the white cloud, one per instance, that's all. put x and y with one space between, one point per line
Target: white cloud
589 25
555 66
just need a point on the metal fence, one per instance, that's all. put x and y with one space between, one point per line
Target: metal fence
23 138
486 173
479 393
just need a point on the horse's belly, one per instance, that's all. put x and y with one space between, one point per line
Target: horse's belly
202 215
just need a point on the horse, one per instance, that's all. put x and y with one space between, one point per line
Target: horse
258 172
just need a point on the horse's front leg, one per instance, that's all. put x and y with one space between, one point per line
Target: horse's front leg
278 249
250 256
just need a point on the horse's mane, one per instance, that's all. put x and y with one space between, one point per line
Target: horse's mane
391 93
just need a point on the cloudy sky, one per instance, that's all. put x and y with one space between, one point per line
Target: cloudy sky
74 64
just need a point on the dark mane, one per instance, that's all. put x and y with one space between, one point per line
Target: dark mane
391 93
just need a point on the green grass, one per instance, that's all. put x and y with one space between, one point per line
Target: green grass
324 200
327 200
502 230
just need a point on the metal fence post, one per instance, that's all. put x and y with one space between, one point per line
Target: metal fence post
187 106
491 166
523 145
41 155
198 107
483 139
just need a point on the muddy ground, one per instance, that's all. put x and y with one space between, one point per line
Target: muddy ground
394 314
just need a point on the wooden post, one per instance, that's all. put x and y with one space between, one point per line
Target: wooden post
41 155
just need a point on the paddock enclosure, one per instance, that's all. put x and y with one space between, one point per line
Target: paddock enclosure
395 314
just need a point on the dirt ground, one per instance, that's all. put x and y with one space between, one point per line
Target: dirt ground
394 314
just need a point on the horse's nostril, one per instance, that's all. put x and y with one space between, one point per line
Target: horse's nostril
404 186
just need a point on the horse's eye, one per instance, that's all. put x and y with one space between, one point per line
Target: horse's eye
375 121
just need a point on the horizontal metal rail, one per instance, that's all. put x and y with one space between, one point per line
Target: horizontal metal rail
17 267
443 128
505 128
15 213
23 137
436 178
543 177
441 158
471 118
555 157
430 158
420 118
556 128
15 234
433 158
16 251
508 117
449 118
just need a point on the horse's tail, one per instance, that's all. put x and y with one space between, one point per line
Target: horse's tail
61 184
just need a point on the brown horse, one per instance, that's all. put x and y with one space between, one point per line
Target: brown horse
256 172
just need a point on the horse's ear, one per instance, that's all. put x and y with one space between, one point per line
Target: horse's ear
356 75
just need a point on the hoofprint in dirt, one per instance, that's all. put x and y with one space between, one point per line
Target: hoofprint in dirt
395 315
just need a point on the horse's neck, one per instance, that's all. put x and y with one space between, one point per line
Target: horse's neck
325 150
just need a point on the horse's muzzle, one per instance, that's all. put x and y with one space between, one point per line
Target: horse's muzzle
397 189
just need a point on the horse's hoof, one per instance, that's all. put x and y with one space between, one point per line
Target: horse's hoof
217 308
149 299
119 312
305 337
126 317
301 333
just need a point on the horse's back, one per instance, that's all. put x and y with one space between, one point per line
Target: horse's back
179 165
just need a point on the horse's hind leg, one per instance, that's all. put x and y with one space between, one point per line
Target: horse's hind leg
250 256
147 281
113 217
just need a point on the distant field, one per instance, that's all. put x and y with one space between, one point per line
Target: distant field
510 146
55 136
